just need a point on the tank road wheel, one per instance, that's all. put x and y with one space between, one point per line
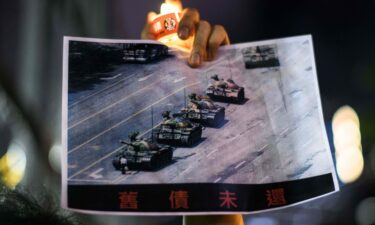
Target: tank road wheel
131 166
196 136
218 119
185 140
153 164
199 134
116 164
190 141
165 158
241 95
170 156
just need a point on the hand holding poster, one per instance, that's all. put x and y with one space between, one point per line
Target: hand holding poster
143 133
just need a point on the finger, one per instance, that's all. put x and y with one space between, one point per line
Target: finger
175 3
218 37
148 31
151 16
198 52
190 19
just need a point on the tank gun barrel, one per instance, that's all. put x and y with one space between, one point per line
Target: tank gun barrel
178 115
126 143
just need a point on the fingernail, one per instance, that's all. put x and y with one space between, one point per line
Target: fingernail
196 59
184 33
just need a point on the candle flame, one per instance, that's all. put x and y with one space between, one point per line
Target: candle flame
166 8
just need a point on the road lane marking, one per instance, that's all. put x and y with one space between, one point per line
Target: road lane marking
91 165
144 78
186 170
111 78
284 131
123 178
117 179
96 174
100 91
130 117
217 180
88 180
179 79
108 155
264 146
113 104
240 164
212 152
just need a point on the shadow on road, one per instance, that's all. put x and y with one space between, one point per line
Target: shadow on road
175 159
225 121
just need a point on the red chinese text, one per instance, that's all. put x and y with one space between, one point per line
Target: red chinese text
128 200
228 199
275 197
179 199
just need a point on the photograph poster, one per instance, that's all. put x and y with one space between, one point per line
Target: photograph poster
144 133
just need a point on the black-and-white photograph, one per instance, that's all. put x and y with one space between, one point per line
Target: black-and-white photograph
132 118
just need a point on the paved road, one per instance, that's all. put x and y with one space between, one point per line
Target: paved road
260 140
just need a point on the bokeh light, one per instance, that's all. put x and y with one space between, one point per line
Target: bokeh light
345 113
13 164
365 212
349 165
54 158
347 141
261 221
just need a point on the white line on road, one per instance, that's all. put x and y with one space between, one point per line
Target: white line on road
111 78
96 174
282 133
108 155
123 178
87 180
179 79
117 179
266 145
240 164
92 164
135 114
217 180
100 91
257 123
186 170
144 78
113 104
212 152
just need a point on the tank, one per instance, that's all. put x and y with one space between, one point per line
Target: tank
261 56
142 154
202 110
177 130
143 52
225 91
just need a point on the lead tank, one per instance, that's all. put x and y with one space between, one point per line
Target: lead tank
142 154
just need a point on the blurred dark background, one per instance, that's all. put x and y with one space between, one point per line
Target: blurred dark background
31 41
